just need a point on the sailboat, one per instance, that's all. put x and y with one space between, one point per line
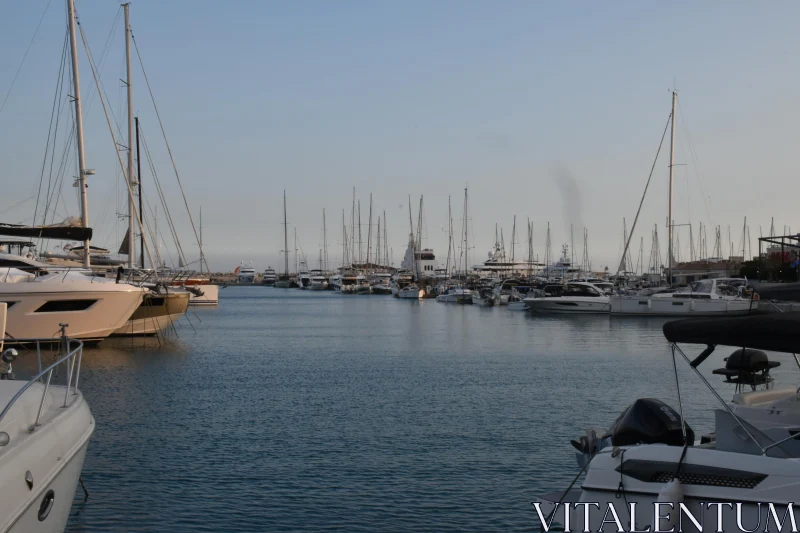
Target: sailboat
705 297
283 280
163 304
38 303
411 291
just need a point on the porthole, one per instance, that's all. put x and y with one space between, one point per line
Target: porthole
46 505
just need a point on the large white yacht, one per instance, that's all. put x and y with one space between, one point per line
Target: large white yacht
706 297
270 277
245 273
45 429
93 306
579 297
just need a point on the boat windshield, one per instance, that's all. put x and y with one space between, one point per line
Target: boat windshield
580 290
702 286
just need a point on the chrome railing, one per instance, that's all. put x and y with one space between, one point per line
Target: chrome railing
72 350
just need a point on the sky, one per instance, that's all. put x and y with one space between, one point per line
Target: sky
550 111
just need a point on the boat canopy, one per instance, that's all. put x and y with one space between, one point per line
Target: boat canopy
787 292
775 332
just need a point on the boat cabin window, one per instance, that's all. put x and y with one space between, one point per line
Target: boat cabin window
553 290
55 306
580 290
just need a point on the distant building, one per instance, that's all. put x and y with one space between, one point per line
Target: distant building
691 271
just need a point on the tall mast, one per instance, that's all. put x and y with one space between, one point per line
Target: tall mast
360 243
369 230
412 241
513 238
466 241
324 242
285 236
419 233
449 237
344 242
353 230
141 210
671 165
76 87
131 179
377 259
385 241
202 257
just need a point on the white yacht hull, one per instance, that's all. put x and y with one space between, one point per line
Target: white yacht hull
669 306
563 305
156 313
411 294
318 286
707 476
53 454
517 306
210 295
455 297
110 310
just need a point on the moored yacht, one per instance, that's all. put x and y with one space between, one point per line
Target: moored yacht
455 294
410 292
706 297
159 310
579 297
45 429
245 274
93 306
318 282
270 277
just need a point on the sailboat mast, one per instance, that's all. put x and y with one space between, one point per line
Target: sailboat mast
449 237
76 87
412 241
671 166
324 242
131 179
202 257
285 236
369 230
385 241
466 241
141 210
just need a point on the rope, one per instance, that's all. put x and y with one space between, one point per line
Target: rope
169 149
111 130
24 56
636 219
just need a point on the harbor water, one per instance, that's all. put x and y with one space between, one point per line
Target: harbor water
287 410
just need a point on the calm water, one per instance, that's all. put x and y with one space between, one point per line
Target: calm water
295 411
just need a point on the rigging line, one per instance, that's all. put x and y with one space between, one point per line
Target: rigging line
59 83
24 56
104 55
693 153
7 209
67 145
169 149
162 197
135 210
641 202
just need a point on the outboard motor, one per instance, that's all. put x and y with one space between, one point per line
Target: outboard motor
645 421
650 421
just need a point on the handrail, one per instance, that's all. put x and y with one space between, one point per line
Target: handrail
73 356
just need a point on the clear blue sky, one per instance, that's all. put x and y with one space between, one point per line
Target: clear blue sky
424 98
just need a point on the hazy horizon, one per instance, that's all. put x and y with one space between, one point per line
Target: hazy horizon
550 112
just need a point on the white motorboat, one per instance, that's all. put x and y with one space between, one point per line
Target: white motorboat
576 298
270 277
411 292
93 306
706 297
456 295
649 454
245 274
45 429
483 296
318 283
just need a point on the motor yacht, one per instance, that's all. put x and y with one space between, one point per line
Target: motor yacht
455 294
575 298
245 274
45 427
93 306
270 277
411 292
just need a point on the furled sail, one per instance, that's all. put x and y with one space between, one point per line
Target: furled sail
123 248
70 229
